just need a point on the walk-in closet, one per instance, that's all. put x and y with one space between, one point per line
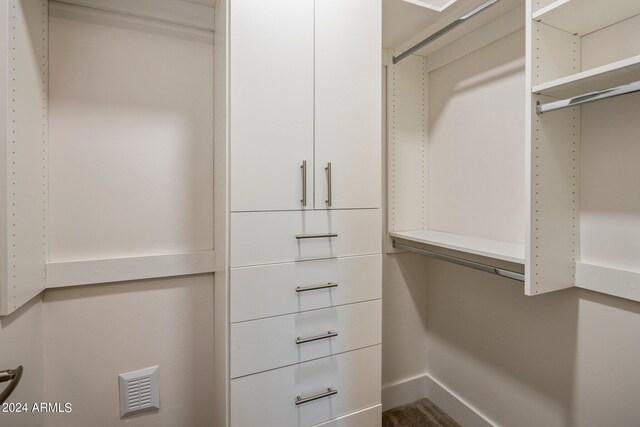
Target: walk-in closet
319 213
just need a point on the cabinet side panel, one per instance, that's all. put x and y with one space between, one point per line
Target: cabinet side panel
27 151
555 178
4 68
221 215
407 148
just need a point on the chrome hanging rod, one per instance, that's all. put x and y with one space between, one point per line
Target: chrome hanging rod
466 263
445 30
589 97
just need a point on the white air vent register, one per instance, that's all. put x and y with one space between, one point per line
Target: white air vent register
139 391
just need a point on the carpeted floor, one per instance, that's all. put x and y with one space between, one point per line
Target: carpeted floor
421 413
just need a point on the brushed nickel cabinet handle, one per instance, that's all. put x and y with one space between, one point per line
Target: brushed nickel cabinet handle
303 167
315 236
329 198
312 338
330 392
316 287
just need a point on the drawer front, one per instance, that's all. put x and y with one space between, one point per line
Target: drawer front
272 290
264 344
371 417
268 399
273 237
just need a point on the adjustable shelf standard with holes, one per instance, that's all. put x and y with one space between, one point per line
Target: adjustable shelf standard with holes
456 144
583 75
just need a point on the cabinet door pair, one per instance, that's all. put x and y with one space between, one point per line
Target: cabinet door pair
305 104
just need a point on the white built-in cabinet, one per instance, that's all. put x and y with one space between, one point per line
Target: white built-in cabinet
302 109
298 213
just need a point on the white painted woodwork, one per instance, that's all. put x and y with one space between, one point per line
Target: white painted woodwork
555 188
24 151
596 47
131 137
610 177
74 273
221 167
270 290
512 252
557 53
272 104
270 237
370 417
459 186
600 78
476 143
260 345
178 12
347 102
267 399
586 16
620 283
407 151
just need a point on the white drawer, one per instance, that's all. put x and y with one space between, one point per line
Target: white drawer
272 237
271 290
268 399
371 417
264 344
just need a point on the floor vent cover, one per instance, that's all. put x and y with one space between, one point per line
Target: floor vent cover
139 391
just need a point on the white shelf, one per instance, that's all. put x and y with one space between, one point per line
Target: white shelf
505 251
605 77
611 281
586 16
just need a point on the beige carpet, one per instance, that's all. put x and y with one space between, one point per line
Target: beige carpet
421 413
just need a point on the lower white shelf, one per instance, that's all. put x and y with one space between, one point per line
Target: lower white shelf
87 272
611 281
512 252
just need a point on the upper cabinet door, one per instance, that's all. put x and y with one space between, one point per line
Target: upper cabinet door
348 103
271 104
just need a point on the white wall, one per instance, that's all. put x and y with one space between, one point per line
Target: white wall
21 344
93 333
568 358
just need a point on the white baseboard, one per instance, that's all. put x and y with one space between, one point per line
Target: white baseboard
412 389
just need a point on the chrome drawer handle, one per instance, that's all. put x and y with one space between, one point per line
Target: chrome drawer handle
330 392
316 287
316 236
329 334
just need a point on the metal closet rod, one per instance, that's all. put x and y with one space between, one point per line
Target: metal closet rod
466 263
444 30
589 97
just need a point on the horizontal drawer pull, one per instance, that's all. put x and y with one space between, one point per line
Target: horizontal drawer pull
330 392
316 236
316 287
329 334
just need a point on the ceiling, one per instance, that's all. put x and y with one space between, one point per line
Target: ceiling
402 20
407 22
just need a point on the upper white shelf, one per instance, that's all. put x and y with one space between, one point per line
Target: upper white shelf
600 78
505 251
586 16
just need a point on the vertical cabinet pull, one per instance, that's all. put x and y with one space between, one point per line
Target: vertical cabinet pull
329 334
330 392
303 168
328 171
